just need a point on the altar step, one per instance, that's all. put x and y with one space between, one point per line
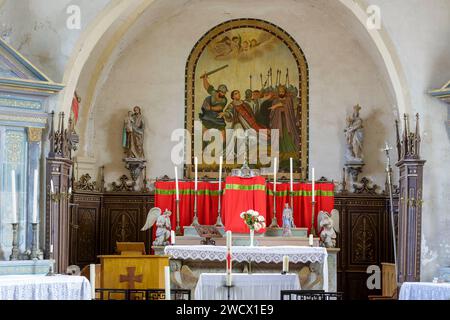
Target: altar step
190 231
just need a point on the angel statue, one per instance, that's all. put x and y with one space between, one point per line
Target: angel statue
288 221
162 223
329 223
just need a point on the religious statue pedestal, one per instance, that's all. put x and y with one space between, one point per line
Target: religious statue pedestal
354 168
135 166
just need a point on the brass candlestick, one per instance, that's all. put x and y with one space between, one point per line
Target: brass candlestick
274 223
313 228
34 241
15 242
195 219
178 227
219 208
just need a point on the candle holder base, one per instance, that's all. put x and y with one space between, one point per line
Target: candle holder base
284 272
219 222
195 221
15 243
274 223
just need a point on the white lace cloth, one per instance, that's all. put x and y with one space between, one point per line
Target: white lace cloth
262 286
424 291
38 287
296 254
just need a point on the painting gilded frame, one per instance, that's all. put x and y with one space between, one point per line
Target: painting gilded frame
303 87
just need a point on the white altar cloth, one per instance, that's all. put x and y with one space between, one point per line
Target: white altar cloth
38 287
256 286
424 291
296 254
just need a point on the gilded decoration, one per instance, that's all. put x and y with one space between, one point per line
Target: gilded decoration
249 74
34 134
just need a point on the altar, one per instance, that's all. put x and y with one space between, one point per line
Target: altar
315 267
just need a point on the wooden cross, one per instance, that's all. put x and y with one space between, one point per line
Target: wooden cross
130 277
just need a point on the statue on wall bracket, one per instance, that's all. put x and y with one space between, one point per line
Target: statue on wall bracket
133 142
354 138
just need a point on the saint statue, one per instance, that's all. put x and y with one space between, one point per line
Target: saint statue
288 221
354 136
133 134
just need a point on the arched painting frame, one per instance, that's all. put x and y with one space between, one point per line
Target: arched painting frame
301 82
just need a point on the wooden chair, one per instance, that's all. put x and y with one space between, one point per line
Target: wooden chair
388 283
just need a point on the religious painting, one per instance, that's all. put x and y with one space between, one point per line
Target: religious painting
248 74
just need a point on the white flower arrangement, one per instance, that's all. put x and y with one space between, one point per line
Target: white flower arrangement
253 220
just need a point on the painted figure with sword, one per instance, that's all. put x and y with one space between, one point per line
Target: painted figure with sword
213 105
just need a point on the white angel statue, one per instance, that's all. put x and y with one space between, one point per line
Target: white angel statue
162 223
330 225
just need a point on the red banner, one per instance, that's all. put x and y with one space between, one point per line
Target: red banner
241 195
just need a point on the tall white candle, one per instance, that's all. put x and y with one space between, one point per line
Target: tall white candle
195 173
286 264
228 259
177 194
291 174
311 240
167 282
14 196
35 192
92 280
220 173
313 185
172 237
274 175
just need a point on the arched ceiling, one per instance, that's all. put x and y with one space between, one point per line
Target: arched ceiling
124 22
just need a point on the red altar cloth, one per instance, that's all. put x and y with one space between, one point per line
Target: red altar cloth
236 199
242 194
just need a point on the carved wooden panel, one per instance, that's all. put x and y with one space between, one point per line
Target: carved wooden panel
364 235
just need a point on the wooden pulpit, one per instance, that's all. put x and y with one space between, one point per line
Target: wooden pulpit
132 271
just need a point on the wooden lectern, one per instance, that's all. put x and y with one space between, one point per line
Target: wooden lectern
132 269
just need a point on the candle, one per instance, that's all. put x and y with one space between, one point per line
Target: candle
195 173
52 188
291 174
172 237
228 259
176 184
92 280
70 190
311 240
274 175
35 192
313 183
14 196
51 248
285 264
220 173
167 282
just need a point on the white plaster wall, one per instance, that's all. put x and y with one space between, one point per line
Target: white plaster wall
420 33
38 30
150 73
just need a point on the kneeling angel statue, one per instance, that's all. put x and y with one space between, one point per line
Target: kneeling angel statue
162 223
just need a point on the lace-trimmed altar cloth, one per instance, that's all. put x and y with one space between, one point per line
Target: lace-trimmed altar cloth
424 291
296 254
38 287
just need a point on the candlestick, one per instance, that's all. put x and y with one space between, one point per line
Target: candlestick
35 192
172 237
15 242
167 282
178 227
228 259
219 207
195 219
14 196
285 264
311 240
34 241
92 280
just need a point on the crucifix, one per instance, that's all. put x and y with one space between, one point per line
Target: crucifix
131 277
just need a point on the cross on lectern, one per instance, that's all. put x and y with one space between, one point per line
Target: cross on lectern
130 277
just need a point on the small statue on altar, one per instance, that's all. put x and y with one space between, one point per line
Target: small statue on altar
329 223
162 223
288 221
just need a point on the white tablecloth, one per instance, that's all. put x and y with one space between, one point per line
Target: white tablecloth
257 286
424 291
296 254
38 287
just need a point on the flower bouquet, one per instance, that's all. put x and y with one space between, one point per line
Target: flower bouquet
254 221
